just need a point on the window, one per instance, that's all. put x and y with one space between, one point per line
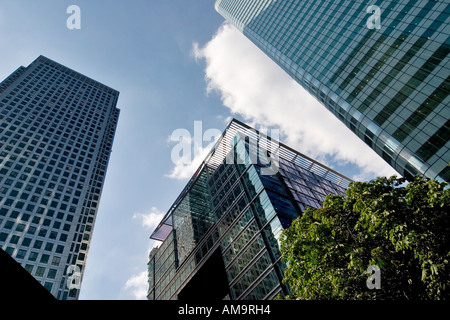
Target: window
51 274
14 214
40 271
59 249
24 196
21 254
26 242
73 293
31 230
29 268
37 244
42 232
36 220
9 224
56 261
33 256
14 193
44 258
3 236
14 239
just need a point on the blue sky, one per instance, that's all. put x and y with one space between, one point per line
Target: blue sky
174 62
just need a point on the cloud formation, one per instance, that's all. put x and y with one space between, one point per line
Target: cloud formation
189 151
150 219
138 285
251 85
184 168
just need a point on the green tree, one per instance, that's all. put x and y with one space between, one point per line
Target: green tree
403 228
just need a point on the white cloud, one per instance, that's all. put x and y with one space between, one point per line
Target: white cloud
189 152
150 219
184 169
138 285
252 85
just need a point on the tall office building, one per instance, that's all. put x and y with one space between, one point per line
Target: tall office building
56 132
382 67
220 237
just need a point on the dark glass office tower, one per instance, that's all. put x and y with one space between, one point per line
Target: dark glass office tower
220 237
389 85
56 132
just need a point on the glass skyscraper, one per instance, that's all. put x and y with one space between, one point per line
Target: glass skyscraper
56 132
220 237
381 67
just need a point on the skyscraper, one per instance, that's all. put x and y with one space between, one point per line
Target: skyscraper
220 237
56 132
381 67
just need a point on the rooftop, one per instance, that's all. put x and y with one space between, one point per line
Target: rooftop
223 147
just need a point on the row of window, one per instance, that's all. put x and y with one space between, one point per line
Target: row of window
36 256
60 75
32 230
47 63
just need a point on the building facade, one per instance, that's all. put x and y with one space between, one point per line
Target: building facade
56 132
220 237
381 67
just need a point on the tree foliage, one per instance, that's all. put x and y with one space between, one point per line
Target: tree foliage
403 228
